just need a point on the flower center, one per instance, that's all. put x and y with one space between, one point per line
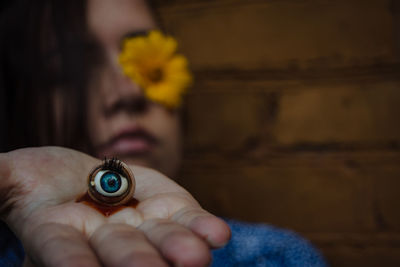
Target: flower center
156 75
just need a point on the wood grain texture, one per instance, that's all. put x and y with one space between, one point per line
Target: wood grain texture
283 34
294 118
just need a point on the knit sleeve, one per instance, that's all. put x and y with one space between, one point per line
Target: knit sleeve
265 245
11 251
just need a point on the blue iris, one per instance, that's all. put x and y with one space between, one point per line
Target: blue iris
110 182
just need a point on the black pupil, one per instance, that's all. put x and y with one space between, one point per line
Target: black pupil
111 183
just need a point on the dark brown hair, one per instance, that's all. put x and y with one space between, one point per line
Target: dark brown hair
44 57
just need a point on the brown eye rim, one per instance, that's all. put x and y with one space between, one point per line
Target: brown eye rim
120 168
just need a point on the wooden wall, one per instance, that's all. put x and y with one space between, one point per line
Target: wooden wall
294 118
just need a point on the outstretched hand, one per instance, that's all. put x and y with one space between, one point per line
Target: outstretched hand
38 191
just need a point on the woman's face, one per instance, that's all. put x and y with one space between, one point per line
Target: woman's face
122 123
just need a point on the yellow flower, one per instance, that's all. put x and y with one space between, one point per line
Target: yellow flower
152 62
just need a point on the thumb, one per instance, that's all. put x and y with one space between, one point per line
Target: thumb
8 187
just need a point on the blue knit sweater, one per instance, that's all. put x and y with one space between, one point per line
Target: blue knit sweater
264 245
251 245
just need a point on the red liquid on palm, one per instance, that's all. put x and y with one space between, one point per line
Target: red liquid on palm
106 210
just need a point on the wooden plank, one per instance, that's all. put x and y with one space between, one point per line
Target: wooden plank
366 256
306 191
283 34
230 115
358 249
340 113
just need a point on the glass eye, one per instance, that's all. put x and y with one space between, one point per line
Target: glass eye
111 183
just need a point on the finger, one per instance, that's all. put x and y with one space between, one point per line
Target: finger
176 243
128 216
8 188
122 245
211 228
58 245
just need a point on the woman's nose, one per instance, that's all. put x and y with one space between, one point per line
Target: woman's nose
123 85
123 94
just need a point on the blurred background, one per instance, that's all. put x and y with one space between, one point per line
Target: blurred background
294 118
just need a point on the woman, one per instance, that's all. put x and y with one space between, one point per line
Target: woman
60 63
49 57
48 66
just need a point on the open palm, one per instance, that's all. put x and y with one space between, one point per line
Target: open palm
42 185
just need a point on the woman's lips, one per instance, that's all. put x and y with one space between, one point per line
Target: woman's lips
128 142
